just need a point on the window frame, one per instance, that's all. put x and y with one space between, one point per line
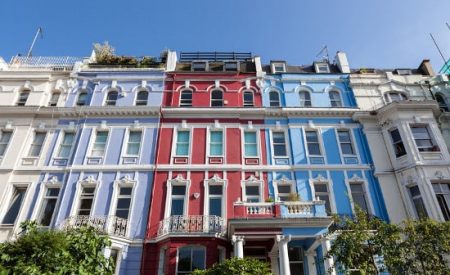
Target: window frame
445 195
442 103
222 100
395 143
308 101
274 66
388 96
252 181
339 94
215 180
413 199
138 102
21 95
51 102
192 247
5 209
319 65
179 180
284 181
352 142
93 141
175 142
108 101
85 182
30 149
319 179
257 144
210 142
274 155
273 91
246 103
7 144
356 179
124 182
61 140
128 135
183 104
50 184
421 149
84 103
319 142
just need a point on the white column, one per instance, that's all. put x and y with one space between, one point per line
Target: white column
329 262
284 256
238 244
311 263
274 262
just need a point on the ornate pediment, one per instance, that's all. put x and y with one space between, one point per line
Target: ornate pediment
356 178
320 178
178 179
90 180
126 181
284 180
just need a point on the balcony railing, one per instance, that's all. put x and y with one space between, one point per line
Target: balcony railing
295 209
53 63
111 225
192 224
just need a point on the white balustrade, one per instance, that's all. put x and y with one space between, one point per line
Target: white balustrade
191 224
255 208
111 225
303 208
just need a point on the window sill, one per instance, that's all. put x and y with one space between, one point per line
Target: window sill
28 161
94 160
59 161
130 159
251 160
180 160
431 155
215 160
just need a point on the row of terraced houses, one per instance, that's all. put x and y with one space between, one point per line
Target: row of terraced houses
202 156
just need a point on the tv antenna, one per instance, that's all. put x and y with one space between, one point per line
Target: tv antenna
439 49
323 54
38 32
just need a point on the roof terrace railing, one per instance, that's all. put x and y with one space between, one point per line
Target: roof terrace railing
54 63
215 56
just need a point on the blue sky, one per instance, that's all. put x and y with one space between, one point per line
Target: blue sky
374 33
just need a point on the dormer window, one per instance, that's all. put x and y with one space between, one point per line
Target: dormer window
278 67
395 96
199 66
231 66
403 71
322 68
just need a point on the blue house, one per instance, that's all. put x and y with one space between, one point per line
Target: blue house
100 161
317 155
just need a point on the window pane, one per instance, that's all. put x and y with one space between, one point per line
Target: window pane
278 138
183 136
215 207
82 99
178 190
216 149
252 190
311 136
285 189
314 149
347 148
126 190
250 137
216 136
47 212
135 136
14 206
250 150
177 207
123 203
198 259
184 259
215 189
182 150
280 150
320 187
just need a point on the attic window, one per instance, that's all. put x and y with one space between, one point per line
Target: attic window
231 66
278 68
403 72
322 68
199 66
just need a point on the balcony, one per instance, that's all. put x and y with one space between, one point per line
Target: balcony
110 225
296 209
194 224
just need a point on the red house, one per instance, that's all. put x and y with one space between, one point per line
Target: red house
211 143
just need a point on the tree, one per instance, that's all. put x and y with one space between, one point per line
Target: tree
70 251
371 245
237 266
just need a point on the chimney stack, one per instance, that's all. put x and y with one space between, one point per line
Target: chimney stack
342 62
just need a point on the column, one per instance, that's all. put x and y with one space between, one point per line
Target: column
238 244
311 262
284 256
274 262
329 262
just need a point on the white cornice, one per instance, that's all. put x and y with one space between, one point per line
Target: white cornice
409 105
65 112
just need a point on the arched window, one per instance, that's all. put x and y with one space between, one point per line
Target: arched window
23 97
111 98
335 99
395 96
216 98
186 98
82 98
305 99
441 101
274 99
248 99
142 98
54 98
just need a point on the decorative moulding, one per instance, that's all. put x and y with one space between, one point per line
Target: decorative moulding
320 178
355 178
90 180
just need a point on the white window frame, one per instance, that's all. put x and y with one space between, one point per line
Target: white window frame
208 143
105 101
319 65
319 141
244 104
352 140
35 132
443 193
279 98
211 99
181 94
94 134
7 145
274 65
127 138
215 181
191 246
136 100
411 199
119 258
340 98
52 103
304 105
53 182
258 143
252 181
431 135
177 181
85 103
355 179
395 143
125 182
175 141
286 143
60 143
387 96
283 181
23 91
320 179
162 260
89 182
9 195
